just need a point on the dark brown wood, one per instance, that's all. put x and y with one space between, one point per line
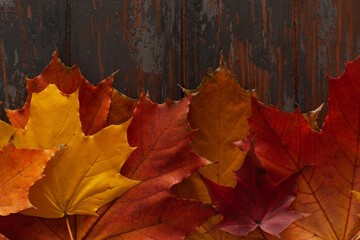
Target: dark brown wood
29 32
184 75
140 38
256 38
282 48
329 33
68 33
295 52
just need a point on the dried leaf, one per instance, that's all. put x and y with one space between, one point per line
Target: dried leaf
121 108
94 101
255 201
219 111
325 192
19 170
19 227
312 118
6 131
88 169
162 159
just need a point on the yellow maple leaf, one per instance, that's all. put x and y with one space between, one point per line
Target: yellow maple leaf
86 175
6 131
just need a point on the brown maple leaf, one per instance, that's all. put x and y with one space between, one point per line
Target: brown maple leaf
121 108
219 110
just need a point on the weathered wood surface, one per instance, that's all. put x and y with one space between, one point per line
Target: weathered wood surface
29 33
256 38
140 38
282 48
328 36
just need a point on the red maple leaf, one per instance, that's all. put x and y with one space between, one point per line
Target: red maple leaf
163 158
94 101
284 143
255 201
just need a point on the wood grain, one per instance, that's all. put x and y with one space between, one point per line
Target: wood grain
256 40
140 38
282 48
29 32
329 34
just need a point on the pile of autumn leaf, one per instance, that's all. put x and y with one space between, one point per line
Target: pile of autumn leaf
85 162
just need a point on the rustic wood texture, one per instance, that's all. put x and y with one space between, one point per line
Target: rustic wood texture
256 38
29 33
140 38
282 48
328 35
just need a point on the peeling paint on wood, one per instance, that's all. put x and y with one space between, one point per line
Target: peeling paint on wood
329 34
29 32
256 43
282 48
140 38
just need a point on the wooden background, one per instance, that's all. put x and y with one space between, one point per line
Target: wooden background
283 48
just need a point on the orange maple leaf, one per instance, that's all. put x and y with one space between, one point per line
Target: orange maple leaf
19 170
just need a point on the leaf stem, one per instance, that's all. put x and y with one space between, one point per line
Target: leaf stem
68 227
262 233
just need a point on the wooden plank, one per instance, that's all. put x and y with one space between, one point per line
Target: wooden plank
144 40
140 38
256 38
329 34
29 33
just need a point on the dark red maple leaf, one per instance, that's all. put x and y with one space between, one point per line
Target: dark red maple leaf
284 143
255 201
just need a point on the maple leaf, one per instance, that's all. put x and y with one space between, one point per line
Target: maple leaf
121 108
88 169
285 143
312 118
19 227
6 131
255 201
219 110
356 194
19 170
147 211
94 101
162 159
